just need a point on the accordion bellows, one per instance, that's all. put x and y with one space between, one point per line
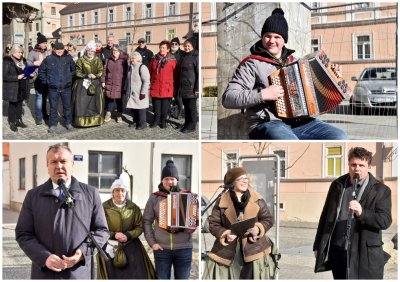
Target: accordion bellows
312 87
179 210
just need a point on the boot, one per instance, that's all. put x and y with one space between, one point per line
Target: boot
20 123
107 117
13 126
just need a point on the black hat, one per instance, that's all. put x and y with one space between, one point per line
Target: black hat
170 170
141 40
41 38
175 39
276 23
58 46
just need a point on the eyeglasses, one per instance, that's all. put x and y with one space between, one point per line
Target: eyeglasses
242 179
174 43
69 45
141 42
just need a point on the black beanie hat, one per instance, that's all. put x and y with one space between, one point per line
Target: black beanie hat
58 46
170 170
276 23
175 39
41 38
192 41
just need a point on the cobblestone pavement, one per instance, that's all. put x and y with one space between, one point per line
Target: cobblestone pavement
107 131
17 266
297 261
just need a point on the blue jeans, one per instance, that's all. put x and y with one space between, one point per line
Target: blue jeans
110 104
181 260
40 102
54 96
310 129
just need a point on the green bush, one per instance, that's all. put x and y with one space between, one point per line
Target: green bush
210 91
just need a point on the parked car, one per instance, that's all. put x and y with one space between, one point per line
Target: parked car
376 88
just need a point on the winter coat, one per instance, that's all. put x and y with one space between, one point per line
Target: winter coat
47 226
188 86
106 54
162 77
367 255
224 215
36 55
14 89
137 82
84 67
114 76
154 234
56 72
146 54
250 77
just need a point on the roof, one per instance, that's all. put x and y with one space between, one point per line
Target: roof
81 7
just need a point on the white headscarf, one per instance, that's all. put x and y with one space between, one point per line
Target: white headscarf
122 182
90 46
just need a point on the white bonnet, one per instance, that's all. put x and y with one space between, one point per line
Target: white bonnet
122 182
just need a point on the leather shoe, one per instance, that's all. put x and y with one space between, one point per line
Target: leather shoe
38 121
142 126
52 129
20 123
13 126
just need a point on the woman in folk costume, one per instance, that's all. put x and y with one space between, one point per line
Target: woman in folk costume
88 97
247 256
125 224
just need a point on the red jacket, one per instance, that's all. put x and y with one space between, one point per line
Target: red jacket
162 76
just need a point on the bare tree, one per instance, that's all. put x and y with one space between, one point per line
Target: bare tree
22 13
134 30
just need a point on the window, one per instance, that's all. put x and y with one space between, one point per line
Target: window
104 168
70 21
230 159
95 37
22 180
128 13
147 36
82 19
282 164
148 11
171 34
111 15
361 5
83 40
172 9
53 11
334 161
37 27
315 45
184 165
363 47
128 38
95 17
34 170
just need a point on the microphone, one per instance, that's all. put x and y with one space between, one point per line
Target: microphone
356 178
68 198
227 186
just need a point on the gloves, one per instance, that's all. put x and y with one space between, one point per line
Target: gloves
141 96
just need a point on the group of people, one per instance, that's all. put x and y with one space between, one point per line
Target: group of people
52 232
93 82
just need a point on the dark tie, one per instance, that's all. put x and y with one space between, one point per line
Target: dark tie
61 196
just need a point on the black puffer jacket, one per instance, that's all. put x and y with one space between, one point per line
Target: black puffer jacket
188 86
57 72
14 89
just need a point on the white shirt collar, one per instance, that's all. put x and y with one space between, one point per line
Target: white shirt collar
67 184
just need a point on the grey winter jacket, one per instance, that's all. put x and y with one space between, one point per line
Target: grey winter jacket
169 241
137 82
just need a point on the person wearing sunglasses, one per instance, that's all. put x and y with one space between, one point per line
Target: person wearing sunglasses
146 54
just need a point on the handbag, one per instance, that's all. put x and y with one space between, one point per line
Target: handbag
120 260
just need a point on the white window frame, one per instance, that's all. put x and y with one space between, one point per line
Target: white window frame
355 46
128 37
228 164
318 44
82 19
148 12
334 157
111 12
128 15
168 33
70 20
82 40
147 36
284 173
96 37
96 17
173 7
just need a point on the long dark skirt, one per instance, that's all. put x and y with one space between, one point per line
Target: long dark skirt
139 265
87 109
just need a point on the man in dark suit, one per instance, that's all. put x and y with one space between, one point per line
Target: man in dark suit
356 210
48 231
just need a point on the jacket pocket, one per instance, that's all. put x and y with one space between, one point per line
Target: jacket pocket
375 255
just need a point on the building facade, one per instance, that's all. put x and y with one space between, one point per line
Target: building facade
127 22
99 164
356 35
209 43
306 170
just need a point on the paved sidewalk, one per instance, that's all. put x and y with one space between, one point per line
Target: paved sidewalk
107 131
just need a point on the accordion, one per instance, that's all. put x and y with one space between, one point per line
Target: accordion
312 87
178 210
